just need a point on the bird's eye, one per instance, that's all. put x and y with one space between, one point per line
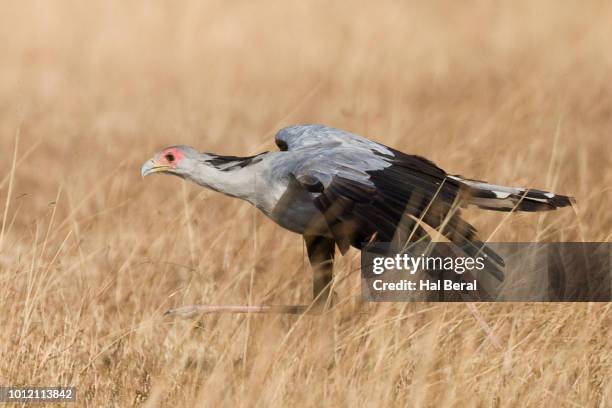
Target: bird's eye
169 157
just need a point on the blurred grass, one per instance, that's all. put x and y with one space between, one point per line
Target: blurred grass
518 93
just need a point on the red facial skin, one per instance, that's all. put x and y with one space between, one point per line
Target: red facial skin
170 157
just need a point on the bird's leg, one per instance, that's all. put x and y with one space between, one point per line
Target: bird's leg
322 286
321 255
196 310
322 277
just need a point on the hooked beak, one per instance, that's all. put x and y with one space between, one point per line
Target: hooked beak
151 166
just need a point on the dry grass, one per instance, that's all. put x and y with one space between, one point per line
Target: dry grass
91 255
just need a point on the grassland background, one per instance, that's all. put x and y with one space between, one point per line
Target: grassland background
91 255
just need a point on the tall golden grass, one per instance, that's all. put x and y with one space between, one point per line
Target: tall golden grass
91 255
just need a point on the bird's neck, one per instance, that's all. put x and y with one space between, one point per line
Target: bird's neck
233 176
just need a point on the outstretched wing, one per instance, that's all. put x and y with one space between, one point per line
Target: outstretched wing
367 191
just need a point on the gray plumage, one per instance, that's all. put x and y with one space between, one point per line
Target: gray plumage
349 190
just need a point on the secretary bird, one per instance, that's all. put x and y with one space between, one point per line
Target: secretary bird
339 189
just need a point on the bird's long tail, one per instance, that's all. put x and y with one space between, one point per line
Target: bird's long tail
501 198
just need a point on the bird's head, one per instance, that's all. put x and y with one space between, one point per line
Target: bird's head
176 160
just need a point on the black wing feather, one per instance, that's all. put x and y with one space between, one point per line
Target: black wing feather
412 188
